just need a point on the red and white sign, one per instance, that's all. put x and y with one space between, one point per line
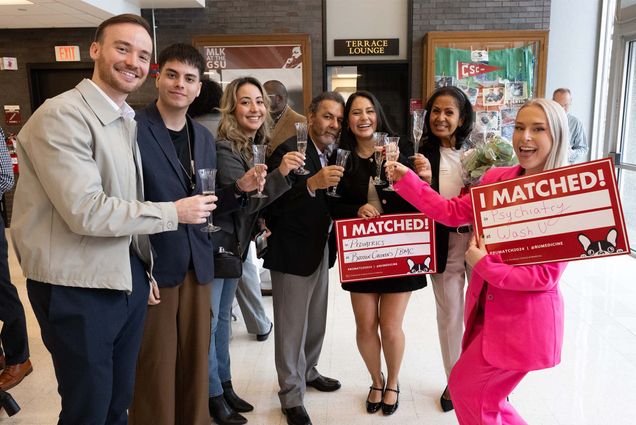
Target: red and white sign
67 53
387 246
570 213
12 114
470 69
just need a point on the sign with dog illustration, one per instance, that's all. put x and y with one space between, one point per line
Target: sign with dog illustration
569 213
387 246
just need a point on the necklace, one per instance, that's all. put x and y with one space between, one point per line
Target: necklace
191 173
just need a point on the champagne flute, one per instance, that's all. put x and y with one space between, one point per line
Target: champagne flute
392 154
418 128
259 152
301 145
378 154
341 160
208 187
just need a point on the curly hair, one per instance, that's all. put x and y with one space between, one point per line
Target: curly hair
229 128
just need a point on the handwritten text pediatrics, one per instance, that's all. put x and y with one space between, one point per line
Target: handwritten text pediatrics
386 226
544 188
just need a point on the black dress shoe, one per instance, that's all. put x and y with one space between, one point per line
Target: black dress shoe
374 406
389 409
297 416
324 384
233 400
223 414
446 403
263 337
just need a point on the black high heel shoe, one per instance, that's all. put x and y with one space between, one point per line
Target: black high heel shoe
446 403
389 409
374 406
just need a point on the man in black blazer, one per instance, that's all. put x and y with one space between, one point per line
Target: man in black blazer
172 379
299 257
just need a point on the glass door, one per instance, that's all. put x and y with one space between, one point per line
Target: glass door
626 145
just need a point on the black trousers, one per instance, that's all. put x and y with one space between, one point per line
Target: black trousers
93 336
13 336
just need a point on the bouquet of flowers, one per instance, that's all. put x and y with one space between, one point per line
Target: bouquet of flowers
484 154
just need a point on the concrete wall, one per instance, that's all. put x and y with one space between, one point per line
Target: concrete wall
573 54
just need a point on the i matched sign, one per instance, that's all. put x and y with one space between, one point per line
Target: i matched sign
569 213
386 246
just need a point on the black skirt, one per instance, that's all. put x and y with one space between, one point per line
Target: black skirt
387 286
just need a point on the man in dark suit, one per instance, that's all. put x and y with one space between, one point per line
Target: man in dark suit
299 258
172 380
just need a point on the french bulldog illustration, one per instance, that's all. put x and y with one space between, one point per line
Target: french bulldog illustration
419 268
592 248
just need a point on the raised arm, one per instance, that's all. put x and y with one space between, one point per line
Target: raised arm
451 212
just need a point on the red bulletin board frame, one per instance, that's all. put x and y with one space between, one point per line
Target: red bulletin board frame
388 246
570 213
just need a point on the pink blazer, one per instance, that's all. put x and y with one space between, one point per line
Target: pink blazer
523 306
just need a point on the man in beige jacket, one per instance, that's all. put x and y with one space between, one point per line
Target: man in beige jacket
283 115
79 224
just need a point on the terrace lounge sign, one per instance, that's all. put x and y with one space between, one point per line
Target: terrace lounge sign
367 47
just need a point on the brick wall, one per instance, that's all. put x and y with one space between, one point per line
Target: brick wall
33 46
471 15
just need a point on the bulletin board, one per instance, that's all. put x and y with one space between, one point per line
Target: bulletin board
498 70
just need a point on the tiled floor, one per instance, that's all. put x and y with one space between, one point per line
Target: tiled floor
594 385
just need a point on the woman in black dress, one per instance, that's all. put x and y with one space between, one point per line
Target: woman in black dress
378 305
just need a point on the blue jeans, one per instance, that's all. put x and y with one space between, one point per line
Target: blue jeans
223 291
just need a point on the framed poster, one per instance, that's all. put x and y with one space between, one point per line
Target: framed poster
570 213
282 57
496 69
387 246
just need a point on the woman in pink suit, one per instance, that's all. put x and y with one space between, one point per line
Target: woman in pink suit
513 314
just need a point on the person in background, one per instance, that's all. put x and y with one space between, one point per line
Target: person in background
282 114
578 142
514 314
448 123
299 257
171 382
250 298
205 107
79 224
378 305
244 124
14 361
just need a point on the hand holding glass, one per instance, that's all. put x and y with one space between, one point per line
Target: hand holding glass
341 160
379 140
301 145
208 187
418 128
259 152
392 154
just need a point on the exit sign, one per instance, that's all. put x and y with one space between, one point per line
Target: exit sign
67 53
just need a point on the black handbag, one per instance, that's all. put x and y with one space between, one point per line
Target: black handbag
227 265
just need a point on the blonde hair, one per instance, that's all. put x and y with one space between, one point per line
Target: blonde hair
559 130
228 126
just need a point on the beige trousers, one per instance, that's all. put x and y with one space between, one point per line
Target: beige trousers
449 300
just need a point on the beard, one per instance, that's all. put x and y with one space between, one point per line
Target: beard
109 75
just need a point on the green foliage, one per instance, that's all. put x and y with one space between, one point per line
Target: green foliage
494 152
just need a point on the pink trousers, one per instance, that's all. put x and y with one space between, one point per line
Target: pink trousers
479 390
